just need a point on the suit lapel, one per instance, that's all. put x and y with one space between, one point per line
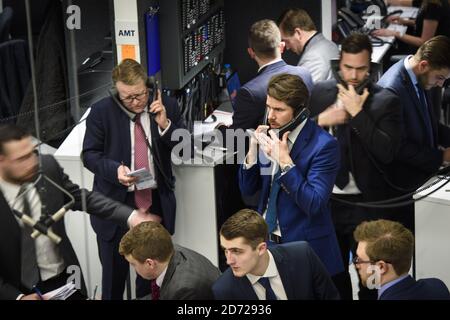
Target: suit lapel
285 271
410 88
245 288
302 140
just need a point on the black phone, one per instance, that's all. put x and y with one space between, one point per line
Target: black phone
337 75
155 84
291 125
115 96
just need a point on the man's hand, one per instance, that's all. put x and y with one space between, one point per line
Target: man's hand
275 148
141 215
122 172
32 296
332 116
157 107
253 150
352 101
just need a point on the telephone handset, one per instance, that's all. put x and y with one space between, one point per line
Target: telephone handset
291 125
337 75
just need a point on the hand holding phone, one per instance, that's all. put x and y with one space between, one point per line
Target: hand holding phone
352 101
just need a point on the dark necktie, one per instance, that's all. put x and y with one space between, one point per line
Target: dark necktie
142 198
270 295
271 213
155 290
29 266
342 178
426 114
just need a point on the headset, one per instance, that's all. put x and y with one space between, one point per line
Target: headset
152 85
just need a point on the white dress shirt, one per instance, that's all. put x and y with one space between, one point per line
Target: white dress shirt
48 256
274 280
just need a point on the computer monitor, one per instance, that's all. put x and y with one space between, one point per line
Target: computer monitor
233 85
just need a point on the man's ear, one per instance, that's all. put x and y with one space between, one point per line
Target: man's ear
282 46
262 248
424 66
383 266
151 263
298 33
251 53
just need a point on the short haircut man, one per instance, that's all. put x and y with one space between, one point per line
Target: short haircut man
264 38
177 273
383 259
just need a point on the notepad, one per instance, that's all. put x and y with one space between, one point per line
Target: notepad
62 293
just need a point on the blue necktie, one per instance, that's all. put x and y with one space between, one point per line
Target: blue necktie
427 118
271 214
270 295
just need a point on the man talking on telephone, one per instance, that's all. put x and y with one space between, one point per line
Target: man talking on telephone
366 121
128 131
295 172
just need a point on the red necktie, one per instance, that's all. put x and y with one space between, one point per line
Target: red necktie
142 198
155 290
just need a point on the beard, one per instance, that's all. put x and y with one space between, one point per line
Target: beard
9 176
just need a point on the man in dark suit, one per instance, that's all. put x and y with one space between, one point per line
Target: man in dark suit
365 119
294 172
26 261
425 141
176 273
383 259
127 131
290 271
265 47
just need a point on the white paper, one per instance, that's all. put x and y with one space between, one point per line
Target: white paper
62 293
145 179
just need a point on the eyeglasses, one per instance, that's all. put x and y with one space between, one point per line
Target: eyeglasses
138 97
357 260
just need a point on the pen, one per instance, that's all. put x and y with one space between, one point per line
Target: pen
38 292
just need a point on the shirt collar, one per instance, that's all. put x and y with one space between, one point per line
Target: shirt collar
160 278
387 285
271 271
410 71
268 64
294 133
10 190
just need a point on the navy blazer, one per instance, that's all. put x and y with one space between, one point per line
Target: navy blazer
302 206
302 274
416 159
250 103
423 289
107 143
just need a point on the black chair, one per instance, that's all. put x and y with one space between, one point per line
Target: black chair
5 23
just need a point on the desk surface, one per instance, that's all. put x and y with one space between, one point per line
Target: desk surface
441 196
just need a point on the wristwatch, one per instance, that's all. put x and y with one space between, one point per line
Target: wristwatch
287 167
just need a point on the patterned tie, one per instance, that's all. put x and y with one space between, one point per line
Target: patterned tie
426 113
155 290
29 266
271 213
265 282
142 198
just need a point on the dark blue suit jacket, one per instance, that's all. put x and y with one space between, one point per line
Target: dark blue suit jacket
302 205
416 159
302 274
423 289
250 104
107 143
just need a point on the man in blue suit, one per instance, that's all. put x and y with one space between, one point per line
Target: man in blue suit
290 271
383 260
425 141
127 131
303 163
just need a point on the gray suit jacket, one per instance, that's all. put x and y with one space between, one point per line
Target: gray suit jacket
316 57
189 276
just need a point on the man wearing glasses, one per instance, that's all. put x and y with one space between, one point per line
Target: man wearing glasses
383 260
128 131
